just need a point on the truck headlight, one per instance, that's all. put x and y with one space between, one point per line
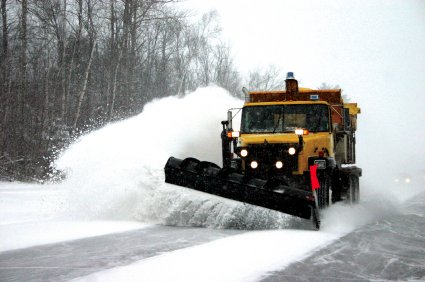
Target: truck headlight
254 164
300 131
292 151
279 164
244 152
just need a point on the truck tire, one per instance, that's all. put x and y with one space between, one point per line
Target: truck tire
353 193
323 191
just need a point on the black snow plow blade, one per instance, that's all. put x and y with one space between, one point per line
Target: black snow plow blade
210 178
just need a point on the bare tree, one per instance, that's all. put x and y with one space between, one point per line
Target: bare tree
270 78
5 35
325 85
84 88
73 65
4 95
22 67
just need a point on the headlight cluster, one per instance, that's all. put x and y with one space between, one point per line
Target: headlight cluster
254 164
278 164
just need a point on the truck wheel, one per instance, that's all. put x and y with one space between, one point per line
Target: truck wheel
323 191
353 193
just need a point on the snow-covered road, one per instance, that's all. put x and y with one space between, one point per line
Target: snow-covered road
40 243
72 259
389 249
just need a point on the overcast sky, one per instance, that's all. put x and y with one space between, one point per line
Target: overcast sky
375 50
323 40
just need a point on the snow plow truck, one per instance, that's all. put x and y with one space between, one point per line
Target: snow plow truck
294 153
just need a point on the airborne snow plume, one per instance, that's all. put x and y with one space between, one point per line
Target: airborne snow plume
117 172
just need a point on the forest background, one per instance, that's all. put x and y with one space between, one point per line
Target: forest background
70 66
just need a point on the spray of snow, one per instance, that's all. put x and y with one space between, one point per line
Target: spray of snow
117 172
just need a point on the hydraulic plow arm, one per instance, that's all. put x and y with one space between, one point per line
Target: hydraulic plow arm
210 178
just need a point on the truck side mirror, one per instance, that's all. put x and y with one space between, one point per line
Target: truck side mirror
347 120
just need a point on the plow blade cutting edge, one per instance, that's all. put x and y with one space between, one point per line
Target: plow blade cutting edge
271 194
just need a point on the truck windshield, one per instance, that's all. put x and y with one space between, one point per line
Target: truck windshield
285 118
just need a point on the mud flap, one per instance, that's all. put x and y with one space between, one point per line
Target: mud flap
210 178
315 215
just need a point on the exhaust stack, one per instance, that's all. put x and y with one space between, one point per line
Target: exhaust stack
291 84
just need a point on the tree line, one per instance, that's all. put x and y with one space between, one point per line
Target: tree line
69 66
